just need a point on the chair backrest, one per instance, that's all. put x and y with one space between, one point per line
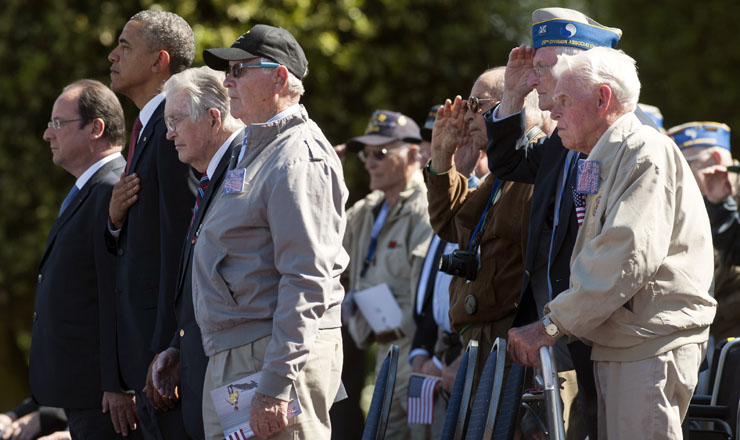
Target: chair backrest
510 402
380 405
457 407
488 394
727 383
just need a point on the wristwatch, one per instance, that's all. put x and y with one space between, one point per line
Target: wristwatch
550 327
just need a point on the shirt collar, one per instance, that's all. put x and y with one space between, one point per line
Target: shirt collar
148 110
84 177
219 154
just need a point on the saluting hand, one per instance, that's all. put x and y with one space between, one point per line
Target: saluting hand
447 134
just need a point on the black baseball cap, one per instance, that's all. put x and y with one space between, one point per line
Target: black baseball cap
273 43
385 127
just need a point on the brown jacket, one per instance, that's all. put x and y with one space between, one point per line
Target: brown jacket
454 211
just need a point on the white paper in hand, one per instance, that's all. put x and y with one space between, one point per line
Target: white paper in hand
232 404
379 307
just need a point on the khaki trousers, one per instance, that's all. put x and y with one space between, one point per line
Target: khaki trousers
316 385
648 398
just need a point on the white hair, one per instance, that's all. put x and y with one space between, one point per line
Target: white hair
204 89
603 65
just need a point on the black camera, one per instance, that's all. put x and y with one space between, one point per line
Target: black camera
460 263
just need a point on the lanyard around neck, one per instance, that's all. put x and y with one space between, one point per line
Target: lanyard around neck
475 238
379 222
570 161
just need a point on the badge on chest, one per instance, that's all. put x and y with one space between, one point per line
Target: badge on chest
588 176
234 181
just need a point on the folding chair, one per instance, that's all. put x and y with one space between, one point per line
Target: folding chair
510 402
718 414
457 407
547 378
380 406
488 394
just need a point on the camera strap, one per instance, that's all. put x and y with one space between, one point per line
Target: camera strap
478 232
377 226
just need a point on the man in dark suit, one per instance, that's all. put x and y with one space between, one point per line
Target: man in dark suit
69 366
205 134
150 210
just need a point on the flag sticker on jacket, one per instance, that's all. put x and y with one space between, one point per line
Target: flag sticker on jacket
421 399
579 201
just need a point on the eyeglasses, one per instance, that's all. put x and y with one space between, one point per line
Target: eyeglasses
540 70
474 103
171 121
56 124
236 69
378 154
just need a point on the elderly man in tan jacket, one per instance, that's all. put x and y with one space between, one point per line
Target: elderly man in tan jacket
642 262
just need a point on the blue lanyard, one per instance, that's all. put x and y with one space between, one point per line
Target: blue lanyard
473 244
379 222
567 167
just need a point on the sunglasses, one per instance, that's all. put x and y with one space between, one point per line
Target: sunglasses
378 154
236 69
474 103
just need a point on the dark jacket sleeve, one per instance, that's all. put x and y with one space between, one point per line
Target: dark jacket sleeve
52 420
725 223
425 336
511 155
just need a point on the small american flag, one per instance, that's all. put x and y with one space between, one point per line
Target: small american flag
239 434
421 399
579 201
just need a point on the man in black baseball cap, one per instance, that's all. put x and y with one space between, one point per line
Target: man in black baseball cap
273 43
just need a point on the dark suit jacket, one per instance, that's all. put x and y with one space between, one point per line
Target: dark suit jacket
425 336
148 250
75 280
523 165
193 361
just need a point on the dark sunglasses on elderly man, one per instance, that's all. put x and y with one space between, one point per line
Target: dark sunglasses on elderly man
378 154
474 103
236 69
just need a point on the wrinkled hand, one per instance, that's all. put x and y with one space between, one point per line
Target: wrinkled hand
449 372
24 428
123 196
417 363
122 408
267 415
59 435
166 372
447 133
716 184
524 343
160 402
5 422
431 369
515 80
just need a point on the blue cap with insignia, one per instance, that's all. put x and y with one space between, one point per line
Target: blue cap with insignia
701 134
385 127
426 130
567 27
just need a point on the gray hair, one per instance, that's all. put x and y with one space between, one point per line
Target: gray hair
204 89
602 65
169 32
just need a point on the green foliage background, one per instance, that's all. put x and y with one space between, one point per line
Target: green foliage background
403 55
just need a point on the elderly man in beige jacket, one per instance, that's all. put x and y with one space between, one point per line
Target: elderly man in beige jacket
642 262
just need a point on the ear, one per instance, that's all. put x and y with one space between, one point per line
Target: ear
281 79
98 127
162 63
215 116
605 97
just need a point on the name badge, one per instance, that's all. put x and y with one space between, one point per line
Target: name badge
234 181
588 177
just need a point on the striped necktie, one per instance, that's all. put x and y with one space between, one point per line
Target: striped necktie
201 192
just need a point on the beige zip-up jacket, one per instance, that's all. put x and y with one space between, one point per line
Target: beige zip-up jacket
399 256
642 263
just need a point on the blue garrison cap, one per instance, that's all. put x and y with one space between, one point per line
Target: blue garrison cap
567 27
701 134
426 130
